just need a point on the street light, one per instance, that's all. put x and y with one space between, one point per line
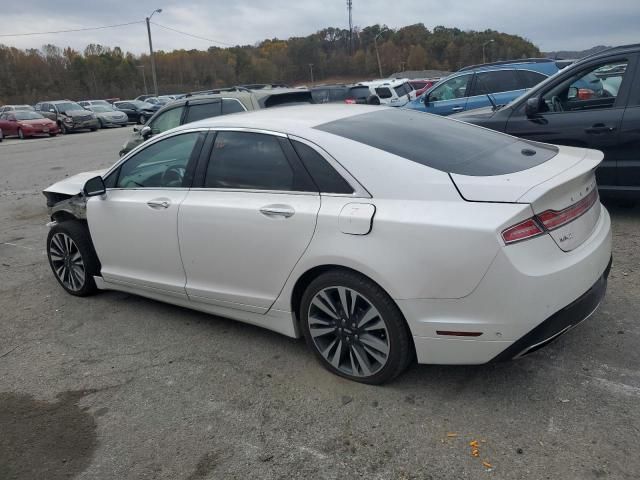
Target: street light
311 71
153 60
375 43
484 45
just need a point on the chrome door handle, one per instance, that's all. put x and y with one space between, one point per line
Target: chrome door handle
457 109
277 211
158 204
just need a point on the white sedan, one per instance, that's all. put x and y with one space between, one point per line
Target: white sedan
381 235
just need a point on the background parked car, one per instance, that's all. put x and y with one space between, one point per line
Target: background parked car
391 91
341 94
25 123
469 88
592 103
11 108
142 98
193 108
109 116
137 111
68 115
161 101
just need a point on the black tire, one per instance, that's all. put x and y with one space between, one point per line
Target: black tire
400 350
63 129
53 134
94 129
142 119
100 124
21 134
79 234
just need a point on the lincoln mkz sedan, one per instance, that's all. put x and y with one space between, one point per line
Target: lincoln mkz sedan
381 235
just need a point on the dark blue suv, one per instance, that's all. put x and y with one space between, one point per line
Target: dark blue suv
469 88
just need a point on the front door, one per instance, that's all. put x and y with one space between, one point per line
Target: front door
584 109
134 226
450 96
242 232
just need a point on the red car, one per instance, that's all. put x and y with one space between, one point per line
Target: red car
422 85
24 123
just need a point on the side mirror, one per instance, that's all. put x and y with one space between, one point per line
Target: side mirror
532 107
94 187
136 129
426 99
145 132
573 93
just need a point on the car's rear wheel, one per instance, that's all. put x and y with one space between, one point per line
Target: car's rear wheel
354 327
20 134
72 257
52 134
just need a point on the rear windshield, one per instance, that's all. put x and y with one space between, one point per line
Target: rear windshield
440 143
359 92
289 98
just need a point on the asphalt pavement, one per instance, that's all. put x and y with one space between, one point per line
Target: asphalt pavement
119 387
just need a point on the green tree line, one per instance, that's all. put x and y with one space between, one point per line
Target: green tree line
27 76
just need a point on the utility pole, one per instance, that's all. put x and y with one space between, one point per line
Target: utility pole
311 71
350 7
484 45
153 60
144 79
375 44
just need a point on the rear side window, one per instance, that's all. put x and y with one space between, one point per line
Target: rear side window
403 89
337 94
203 110
251 161
384 92
496 81
320 95
167 120
231 105
323 174
440 143
530 79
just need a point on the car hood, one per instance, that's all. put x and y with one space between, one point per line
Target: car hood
73 185
477 113
76 113
111 114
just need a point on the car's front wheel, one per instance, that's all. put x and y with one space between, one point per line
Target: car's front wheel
143 119
355 328
72 257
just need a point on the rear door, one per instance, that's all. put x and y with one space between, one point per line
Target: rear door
502 85
582 109
450 96
248 221
627 153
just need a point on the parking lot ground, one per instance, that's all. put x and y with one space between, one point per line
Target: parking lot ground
119 387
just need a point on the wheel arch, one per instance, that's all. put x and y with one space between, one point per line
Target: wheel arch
312 273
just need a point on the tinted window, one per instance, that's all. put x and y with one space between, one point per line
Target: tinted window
494 82
323 174
403 89
167 120
320 95
249 161
231 106
203 110
530 79
384 92
337 94
450 89
161 165
440 143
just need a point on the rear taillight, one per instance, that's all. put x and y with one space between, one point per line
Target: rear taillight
522 231
548 220
552 219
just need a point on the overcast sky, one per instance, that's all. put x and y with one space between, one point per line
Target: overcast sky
550 24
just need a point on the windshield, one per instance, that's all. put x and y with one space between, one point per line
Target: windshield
26 115
68 107
23 107
101 108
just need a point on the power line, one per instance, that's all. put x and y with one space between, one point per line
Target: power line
71 30
192 35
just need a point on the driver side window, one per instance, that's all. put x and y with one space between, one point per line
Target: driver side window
591 89
160 165
451 89
167 120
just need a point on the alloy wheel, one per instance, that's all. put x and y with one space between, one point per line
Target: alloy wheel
67 262
348 331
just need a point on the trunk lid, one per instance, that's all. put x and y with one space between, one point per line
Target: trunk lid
564 185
